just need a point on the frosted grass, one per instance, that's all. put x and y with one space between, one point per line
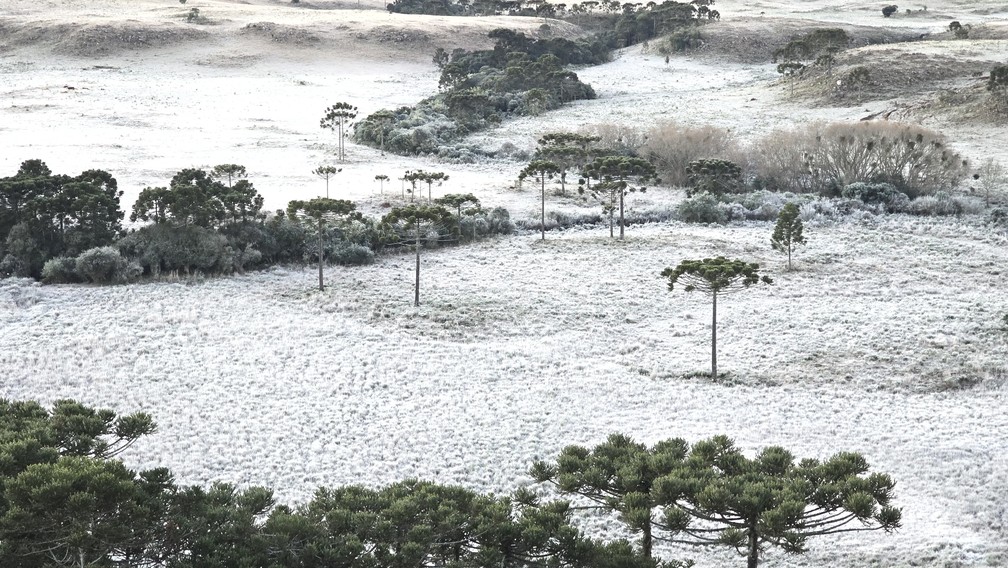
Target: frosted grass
522 347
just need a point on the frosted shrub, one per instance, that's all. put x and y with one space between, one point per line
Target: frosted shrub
672 146
734 211
60 270
101 265
352 254
162 248
701 208
500 222
884 194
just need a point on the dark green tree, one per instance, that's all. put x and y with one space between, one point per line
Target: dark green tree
231 172
616 476
541 169
458 200
337 118
316 212
889 10
411 219
718 496
326 172
787 233
567 150
714 277
716 177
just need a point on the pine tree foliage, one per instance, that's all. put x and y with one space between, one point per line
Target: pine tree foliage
788 232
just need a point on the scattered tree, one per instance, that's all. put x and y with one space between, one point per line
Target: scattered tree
232 172
541 169
317 211
997 84
326 172
567 150
412 218
458 200
889 10
337 118
958 30
619 176
991 176
714 276
381 179
787 233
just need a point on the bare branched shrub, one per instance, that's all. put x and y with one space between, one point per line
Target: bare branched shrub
619 137
672 146
826 158
778 161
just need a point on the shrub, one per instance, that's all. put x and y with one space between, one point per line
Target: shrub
25 255
877 194
499 221
889 10
672 146
60 270
101 265
162 248
352 254
915 160
701 208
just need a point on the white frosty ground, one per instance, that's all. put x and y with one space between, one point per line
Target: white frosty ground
522 347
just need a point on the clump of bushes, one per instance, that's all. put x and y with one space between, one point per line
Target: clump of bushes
701 208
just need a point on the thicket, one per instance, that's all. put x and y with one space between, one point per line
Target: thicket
67 230
817 158
45 215
520 76
67 499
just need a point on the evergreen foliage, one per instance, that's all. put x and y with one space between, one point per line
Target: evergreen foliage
788 232
713 277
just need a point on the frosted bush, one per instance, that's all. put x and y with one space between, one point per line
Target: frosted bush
101 265
701 208
60 270
352 254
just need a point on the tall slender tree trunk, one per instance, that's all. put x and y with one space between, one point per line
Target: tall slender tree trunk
753 548
713 339
416 289
789 256
321 253
542 224
621 214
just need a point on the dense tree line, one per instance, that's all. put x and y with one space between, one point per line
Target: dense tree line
65 229
67 500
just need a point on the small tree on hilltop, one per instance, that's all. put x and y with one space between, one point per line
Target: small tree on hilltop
787 232
337 118
541 169
326 172
317 211
714 276
412 218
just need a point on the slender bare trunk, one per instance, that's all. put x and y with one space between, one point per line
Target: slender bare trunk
621 214
542 224
416 292
713 339
321 253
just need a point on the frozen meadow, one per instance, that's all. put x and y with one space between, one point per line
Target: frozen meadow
886 339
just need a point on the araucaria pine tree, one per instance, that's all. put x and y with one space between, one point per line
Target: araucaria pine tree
338 117
787 234
714 276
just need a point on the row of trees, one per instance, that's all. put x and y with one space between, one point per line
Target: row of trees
67 500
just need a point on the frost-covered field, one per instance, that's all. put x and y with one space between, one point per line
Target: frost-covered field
886 339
